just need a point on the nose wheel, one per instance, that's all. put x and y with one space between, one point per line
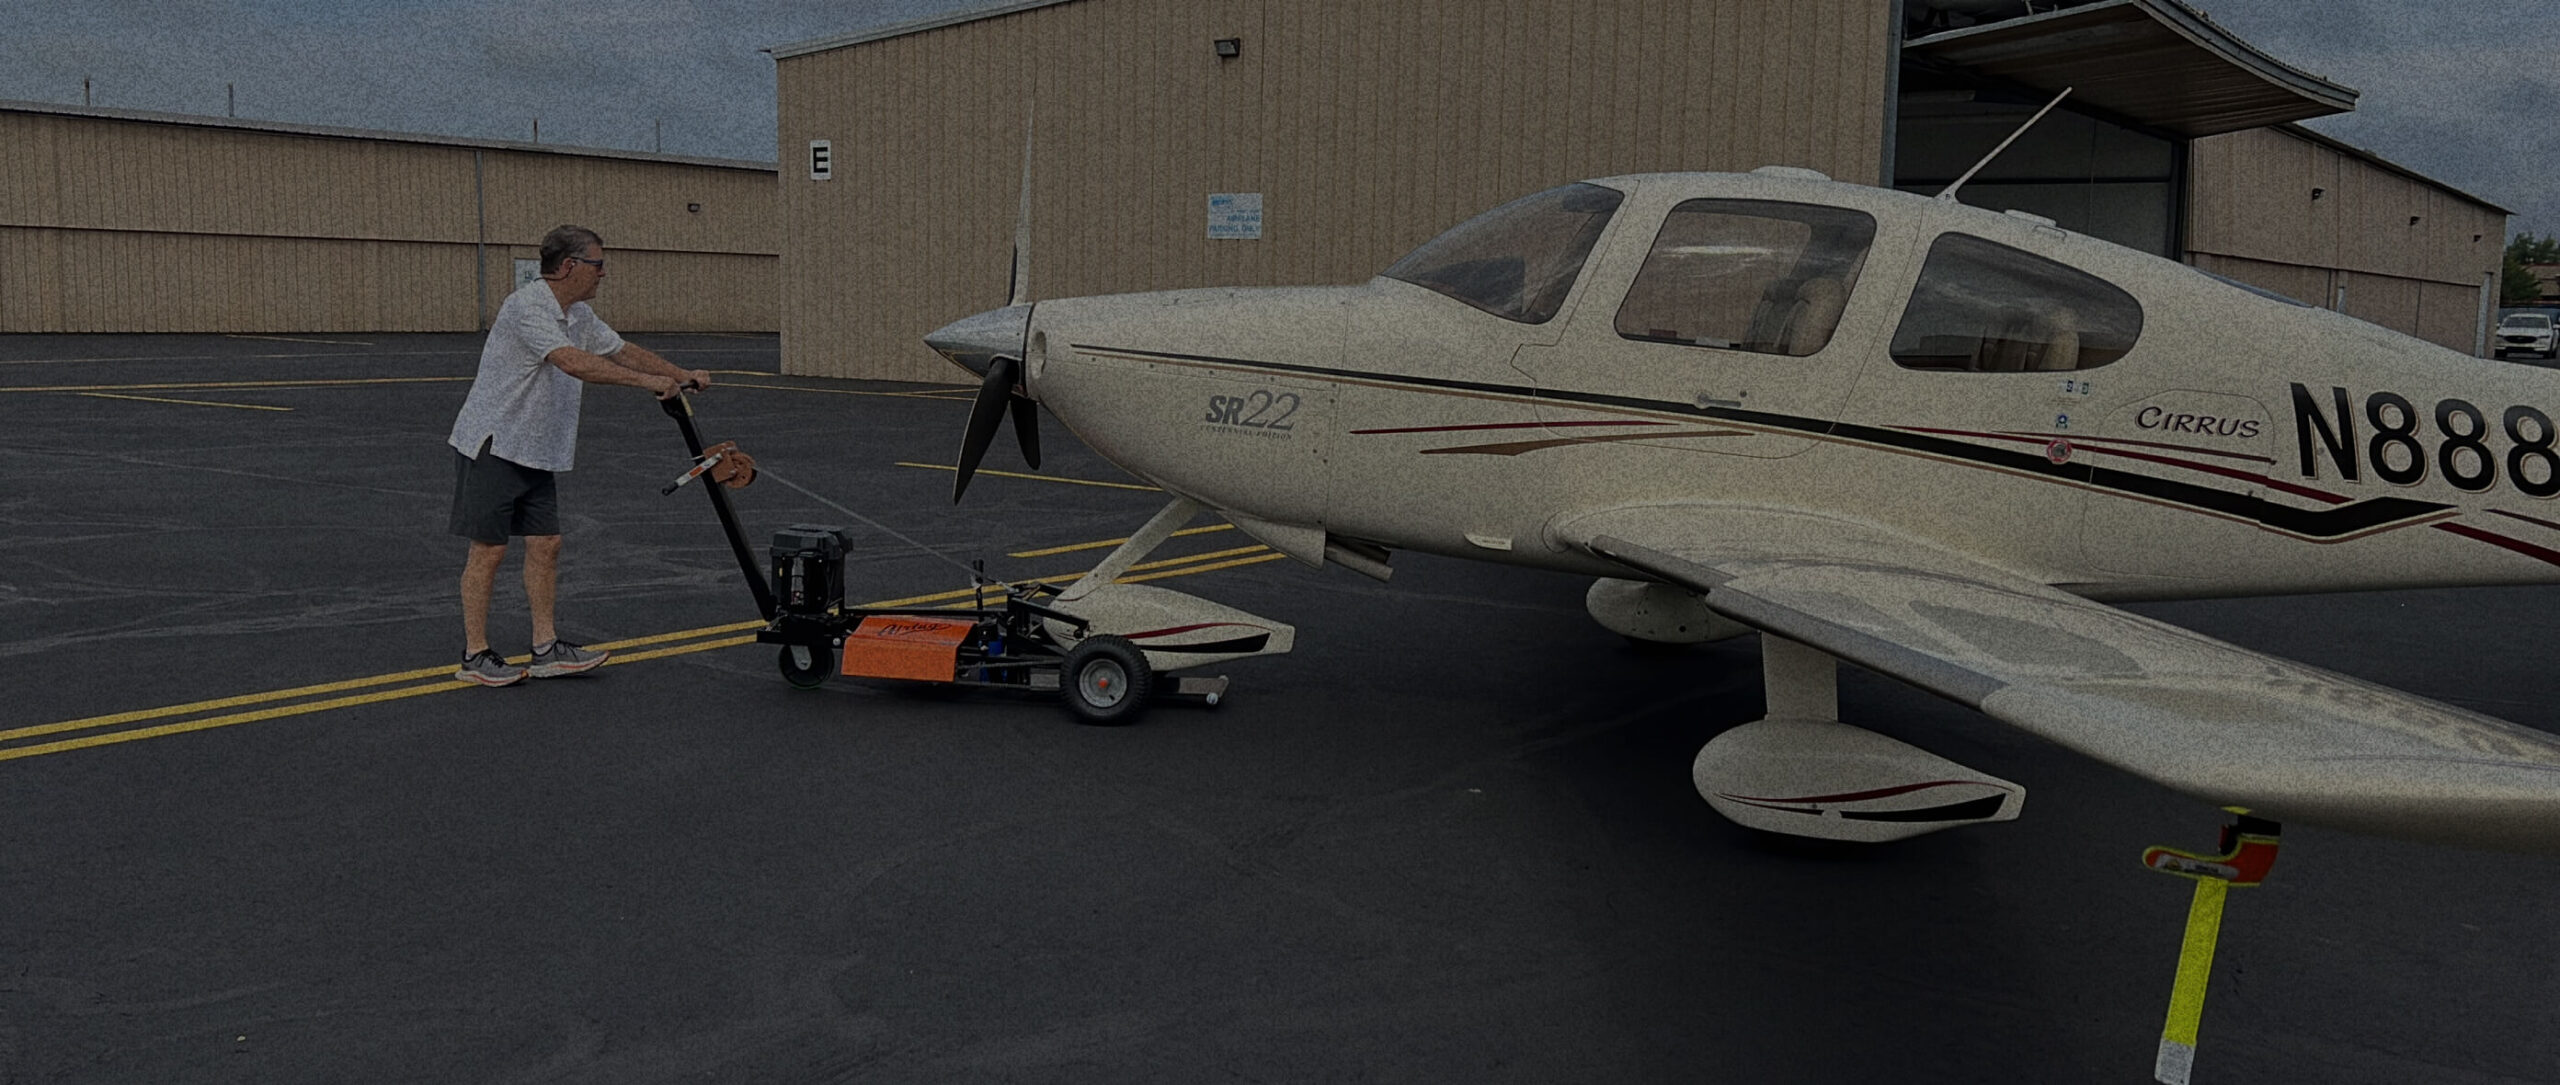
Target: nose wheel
1106 681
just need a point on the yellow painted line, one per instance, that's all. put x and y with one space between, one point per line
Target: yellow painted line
301 356
200 385
1041 478
1187 559
1202 569
226 702
211 722
188 402
1111 542
329 687
1171 567
689 634
940 395
290 339
448 685
681 649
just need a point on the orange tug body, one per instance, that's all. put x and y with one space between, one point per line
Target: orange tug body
906 646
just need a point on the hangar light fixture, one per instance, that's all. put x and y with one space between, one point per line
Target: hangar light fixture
1230 48
694 208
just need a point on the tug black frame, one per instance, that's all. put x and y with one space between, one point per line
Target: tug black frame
1100 678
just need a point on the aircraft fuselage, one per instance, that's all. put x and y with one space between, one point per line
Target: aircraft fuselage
2155 433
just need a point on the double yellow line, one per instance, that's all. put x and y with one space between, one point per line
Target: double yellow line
111 729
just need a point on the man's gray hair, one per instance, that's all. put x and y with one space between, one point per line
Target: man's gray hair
564 242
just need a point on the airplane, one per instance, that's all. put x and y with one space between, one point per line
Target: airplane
1929 439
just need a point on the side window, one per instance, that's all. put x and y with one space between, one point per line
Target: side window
1982 307
1755 275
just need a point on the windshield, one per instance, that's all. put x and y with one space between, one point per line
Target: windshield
1518 260
2527 320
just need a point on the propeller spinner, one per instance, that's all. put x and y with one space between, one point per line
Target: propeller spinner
990 344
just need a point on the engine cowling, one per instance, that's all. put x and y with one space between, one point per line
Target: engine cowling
1660 613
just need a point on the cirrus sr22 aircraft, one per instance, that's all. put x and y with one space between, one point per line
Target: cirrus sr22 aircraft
1932 440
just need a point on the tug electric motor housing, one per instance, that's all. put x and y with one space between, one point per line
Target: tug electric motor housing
808 569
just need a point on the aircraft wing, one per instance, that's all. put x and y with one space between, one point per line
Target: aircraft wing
2220 722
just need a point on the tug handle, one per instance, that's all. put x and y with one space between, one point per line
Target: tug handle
680 408
708 462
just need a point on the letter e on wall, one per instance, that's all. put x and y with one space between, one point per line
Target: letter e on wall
822 160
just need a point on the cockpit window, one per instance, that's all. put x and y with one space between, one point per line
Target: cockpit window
1987 308
1755 275
1518 260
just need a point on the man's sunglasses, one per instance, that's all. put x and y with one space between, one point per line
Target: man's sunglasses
583 260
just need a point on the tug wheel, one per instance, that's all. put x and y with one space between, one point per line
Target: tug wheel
806 666
1105 681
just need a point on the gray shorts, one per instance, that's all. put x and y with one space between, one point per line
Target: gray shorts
495 498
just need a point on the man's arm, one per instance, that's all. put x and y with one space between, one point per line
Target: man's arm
641 359
603 369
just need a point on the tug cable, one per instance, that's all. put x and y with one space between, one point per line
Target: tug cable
975 575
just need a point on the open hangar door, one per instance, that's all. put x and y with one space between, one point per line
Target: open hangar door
2090 176
2146 77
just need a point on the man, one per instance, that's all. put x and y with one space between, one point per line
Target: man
519 426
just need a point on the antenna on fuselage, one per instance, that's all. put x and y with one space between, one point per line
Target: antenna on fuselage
1950 194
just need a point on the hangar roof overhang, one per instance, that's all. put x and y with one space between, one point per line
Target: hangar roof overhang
2386 165
966 14
2155 62
191 120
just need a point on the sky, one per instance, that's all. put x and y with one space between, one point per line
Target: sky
2461 90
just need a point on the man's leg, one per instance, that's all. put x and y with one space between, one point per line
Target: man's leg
479 576
541 584
552 657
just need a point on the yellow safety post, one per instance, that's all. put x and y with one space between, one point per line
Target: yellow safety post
2248 850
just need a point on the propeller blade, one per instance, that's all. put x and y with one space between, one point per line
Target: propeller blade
1001 374
1026 429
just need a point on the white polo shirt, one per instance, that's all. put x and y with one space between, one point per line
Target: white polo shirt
527 408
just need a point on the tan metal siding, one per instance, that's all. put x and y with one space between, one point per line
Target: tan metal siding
2449 314
127 281
105 175
114 225
639 205
2410 255
686 291
2308 285
1367 127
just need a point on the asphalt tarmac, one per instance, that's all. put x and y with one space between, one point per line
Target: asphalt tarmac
250 832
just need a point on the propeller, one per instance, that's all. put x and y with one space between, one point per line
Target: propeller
1003 384
1000 389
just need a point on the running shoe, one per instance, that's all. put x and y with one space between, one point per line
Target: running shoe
489 669
565 658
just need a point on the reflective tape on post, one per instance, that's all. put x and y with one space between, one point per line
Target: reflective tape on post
2177 1057
2248 853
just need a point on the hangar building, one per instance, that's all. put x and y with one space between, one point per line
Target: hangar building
1271 142
119 221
